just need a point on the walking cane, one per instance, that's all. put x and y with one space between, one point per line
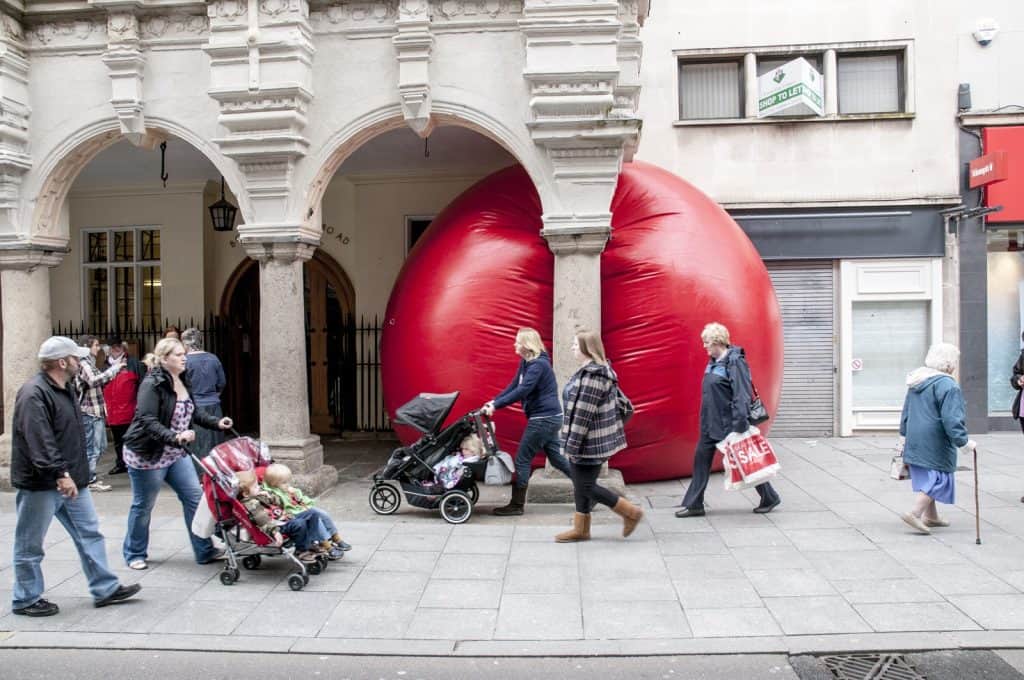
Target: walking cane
977 511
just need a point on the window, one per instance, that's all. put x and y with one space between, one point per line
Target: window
121 272
711 89
414 228
869 83
858 79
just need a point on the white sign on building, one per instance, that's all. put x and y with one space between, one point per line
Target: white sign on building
793 89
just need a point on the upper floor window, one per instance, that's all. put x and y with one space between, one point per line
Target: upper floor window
861 79
121 272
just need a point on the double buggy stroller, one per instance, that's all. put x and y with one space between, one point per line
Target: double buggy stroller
230 519
412 468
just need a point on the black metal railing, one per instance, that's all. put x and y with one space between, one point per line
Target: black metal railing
355 391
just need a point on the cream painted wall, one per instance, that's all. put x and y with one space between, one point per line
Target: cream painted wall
221 254
177 210
816 162
994 71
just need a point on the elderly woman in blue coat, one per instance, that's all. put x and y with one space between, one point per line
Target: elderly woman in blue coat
933 424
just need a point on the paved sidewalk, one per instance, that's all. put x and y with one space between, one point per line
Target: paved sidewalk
833 569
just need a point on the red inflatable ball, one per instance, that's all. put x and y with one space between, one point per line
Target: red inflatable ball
676 261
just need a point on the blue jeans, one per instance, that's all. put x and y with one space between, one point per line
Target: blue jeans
540 433
35 510
146 484
95 440
307 528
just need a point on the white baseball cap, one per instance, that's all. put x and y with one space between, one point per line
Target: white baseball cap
59 347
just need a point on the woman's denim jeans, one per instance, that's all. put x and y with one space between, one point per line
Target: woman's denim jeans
540 433
146 484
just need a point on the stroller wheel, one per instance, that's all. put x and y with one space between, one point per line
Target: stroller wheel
296 582
456 507
229 576
322 560
251 562
314 568
384 499
474 493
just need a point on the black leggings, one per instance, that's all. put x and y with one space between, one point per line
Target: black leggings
586 489
1021 421
119 431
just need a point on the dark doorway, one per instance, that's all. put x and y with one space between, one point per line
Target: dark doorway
330 367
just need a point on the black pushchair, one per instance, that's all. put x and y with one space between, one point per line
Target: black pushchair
411 467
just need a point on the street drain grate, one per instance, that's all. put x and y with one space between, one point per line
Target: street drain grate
871 667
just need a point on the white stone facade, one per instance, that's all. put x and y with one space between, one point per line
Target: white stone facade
277 94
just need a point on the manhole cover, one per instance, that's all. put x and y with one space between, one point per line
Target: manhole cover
871 667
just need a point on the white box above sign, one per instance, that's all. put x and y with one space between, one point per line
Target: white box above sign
793 89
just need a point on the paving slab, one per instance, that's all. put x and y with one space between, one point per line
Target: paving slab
623 620
732 622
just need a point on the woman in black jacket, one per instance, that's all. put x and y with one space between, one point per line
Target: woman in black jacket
153 451
724 408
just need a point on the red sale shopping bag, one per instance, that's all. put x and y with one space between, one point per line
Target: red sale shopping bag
749 459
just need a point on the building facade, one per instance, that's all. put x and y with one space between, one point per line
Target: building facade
278 97
854 208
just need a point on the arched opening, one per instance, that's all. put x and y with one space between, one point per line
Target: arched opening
142 251
381 198
329 353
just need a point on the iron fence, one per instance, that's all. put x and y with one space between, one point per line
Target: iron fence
143 339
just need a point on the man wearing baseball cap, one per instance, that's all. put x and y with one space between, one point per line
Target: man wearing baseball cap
50 471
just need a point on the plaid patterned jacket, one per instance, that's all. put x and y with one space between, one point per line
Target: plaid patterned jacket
591 428
90 387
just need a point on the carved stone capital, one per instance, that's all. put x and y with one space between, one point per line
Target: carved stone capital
29 257
569 234
126 67
285 250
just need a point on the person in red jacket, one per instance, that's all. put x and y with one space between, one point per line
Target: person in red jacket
121 394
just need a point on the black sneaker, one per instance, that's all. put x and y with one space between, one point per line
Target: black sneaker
690 512
118 470
764 509
122 593
40 607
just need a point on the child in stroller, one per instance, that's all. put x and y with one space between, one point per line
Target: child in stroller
229 518
276 481
308 529
415 468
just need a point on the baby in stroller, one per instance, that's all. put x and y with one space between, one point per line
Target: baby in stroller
277 481
306 529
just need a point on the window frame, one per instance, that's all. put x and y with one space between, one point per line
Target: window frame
741 83
830 54
409 219
136 265
901 80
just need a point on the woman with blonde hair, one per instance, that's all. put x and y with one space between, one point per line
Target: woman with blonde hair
592 432
535 386
154 453
724 408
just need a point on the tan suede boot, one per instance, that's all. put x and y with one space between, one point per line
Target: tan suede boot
630 514
580 529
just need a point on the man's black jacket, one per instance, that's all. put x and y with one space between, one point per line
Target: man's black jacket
47 437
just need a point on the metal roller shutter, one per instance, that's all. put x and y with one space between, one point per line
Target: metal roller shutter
805 291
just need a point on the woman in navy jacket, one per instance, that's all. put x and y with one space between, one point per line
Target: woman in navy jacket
724 408
535 386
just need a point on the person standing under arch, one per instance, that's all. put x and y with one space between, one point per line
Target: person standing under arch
536 387
206 378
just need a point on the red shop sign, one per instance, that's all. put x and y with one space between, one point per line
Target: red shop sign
992 167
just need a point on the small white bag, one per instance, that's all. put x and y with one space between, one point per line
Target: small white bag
898 470
499 469
203 522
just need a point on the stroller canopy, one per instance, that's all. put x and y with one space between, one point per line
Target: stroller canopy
427 411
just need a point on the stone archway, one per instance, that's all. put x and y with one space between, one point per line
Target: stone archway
330 362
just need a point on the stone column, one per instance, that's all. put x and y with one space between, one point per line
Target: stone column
25 307
284 401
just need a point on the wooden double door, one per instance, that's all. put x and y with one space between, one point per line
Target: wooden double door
329 357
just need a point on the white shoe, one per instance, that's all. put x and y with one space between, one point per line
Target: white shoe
138 565
99 485
916 523
937 522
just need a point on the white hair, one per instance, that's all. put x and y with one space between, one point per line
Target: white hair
943 357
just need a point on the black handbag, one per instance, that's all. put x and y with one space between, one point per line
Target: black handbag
623 405
758 413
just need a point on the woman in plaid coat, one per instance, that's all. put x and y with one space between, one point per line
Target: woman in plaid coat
592 432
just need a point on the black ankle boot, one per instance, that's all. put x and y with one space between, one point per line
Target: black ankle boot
516 505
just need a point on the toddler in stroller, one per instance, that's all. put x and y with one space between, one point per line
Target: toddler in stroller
307 529
228 465
276 482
